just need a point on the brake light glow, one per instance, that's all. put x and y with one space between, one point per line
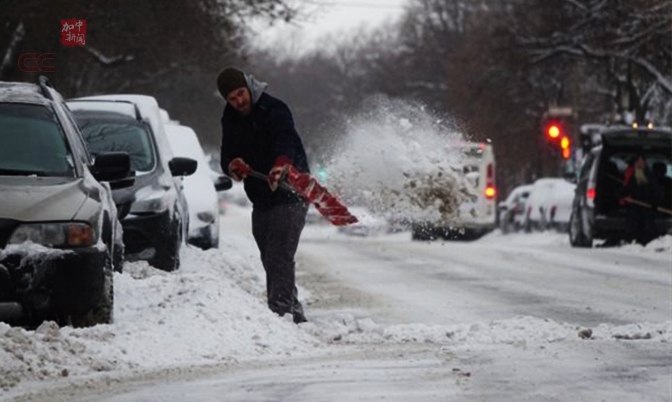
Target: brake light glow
490 191
590 193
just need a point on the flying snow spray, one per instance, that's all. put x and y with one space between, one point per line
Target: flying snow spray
399 161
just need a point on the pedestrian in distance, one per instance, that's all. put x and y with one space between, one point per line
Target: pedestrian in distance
258 134
640 195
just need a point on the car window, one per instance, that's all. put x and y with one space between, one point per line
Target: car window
32 142
617 162
81 144
120 136
513 197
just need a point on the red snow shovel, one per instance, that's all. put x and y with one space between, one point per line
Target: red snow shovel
314 193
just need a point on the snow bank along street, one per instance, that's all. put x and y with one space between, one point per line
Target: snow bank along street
505 318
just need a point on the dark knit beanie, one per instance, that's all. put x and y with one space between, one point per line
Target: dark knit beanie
230 79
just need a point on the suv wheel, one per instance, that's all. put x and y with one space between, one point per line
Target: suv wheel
214 236
103 313
169 258
576 236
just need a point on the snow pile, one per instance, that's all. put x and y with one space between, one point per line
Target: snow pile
213 311
210 311
517 331
638 331
400 161
660 245
40 354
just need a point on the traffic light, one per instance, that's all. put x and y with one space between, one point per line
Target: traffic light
566 148
554 131
557 128
557 137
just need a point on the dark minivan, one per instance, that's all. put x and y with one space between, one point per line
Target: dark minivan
598 209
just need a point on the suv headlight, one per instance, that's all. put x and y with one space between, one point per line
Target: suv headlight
56 234
156 202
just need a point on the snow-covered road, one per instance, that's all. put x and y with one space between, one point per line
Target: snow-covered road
506 318
496 278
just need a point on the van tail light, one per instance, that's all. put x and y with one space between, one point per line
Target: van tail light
490 190
590 196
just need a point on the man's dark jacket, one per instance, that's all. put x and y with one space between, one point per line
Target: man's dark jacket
259 139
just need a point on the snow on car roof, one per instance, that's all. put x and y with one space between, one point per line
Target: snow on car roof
546 187
21 92
149 109
103 106
165 117
184 142
519 190
548 180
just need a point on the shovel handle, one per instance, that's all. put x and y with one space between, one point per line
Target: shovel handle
264 177
646 205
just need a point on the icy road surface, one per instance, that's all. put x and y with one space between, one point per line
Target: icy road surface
505 318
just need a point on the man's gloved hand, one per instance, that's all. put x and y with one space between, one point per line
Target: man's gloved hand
279 171
238 169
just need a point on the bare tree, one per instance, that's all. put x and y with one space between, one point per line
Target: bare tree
171 49
628 41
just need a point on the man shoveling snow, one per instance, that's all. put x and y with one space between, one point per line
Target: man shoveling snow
258 135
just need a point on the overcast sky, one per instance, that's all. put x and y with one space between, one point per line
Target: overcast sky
324 17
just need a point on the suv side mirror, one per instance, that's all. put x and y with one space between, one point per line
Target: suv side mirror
223 183
182 166
115 168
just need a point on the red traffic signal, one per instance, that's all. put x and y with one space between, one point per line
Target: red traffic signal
554 130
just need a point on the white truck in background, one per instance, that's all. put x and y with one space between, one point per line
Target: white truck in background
473 218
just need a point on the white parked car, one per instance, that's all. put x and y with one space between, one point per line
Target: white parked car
512 210
154 210
549 205
199 188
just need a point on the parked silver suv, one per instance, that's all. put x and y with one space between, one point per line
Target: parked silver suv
59 234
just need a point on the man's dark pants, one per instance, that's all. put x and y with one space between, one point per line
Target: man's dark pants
277 232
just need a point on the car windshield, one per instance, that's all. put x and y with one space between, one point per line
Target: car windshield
123 137
32 142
